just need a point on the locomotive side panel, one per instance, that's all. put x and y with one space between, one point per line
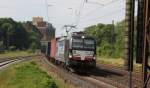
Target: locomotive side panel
60 49
53 48
66 56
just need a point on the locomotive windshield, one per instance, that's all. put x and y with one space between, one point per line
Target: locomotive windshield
79 43
89 44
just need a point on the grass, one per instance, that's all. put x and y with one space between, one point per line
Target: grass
25 75
112 61
11 54
117 62
60 82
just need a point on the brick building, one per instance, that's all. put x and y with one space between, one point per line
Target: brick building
43 27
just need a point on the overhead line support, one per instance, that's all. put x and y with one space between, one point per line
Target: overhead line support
129 38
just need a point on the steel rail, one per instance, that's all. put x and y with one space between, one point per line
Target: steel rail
7 61
77 80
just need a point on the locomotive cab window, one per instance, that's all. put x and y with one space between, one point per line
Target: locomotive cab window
89 44
77 43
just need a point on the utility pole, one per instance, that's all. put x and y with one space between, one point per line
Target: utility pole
140 31
143 39
129 36
146 44
113 34
47 12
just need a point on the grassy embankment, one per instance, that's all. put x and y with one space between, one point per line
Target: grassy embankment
30 74
11 54
117 62
61 83
25 75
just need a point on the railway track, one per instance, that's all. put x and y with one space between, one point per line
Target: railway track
114 78
7 61
79 80
100 77
120 77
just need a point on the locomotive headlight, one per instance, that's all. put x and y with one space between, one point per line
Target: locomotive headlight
70 56
83 37
94 57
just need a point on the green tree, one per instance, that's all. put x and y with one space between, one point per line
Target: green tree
18 35
109 39
7 32
34 35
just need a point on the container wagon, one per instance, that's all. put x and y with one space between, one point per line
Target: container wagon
46 47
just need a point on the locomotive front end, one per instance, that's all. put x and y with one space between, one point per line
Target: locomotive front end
82 51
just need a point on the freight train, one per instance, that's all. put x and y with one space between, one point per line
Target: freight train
76 50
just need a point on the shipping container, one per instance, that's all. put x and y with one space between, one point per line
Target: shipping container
53 47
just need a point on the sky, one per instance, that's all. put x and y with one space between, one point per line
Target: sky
65 12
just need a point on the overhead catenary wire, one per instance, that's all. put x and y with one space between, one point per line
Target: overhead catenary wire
91 12
80 12
102 17
105 15
95 3
81 9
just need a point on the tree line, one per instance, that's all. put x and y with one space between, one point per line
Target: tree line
18 35
109 37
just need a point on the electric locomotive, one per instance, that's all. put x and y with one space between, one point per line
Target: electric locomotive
76 50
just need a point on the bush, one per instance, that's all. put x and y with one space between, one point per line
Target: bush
53 85
105 49
12 48
33 47
2 51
